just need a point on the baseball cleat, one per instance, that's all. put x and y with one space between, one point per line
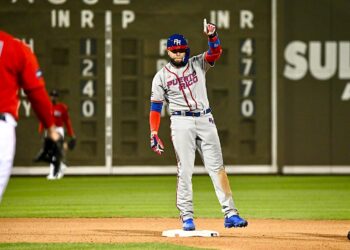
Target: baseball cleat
235 221
188 225
51 177
60 173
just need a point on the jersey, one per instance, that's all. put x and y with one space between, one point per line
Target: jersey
18 69
61 118
184 88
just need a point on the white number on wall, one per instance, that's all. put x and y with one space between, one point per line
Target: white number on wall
247 63
88 108
247 108
88 66
247 47
247 86
89 88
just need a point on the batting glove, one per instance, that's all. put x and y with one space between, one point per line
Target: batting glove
157 144
72 143
209 28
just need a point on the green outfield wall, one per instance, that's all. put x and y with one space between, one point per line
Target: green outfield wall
280 92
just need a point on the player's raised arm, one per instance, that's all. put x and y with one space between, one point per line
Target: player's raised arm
214 52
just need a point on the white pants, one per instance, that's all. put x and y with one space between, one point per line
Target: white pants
199 133
7 150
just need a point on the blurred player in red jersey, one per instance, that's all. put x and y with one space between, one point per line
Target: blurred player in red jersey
61 120
19 69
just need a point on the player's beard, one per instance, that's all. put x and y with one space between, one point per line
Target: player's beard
179 63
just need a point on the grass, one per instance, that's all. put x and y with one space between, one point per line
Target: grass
280 197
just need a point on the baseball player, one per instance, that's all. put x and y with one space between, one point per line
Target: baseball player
182 84
61 120
19 69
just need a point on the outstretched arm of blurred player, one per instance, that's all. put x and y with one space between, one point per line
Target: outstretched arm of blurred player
32 82
214 52
41 104
68 123
154 121
41 128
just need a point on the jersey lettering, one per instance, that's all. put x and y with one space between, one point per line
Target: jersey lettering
183 88
177 41
185 81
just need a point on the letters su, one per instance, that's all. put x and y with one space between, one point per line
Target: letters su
322 60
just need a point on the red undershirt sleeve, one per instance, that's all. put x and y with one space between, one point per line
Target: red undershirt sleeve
154 121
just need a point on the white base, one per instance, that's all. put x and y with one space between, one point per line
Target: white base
182 233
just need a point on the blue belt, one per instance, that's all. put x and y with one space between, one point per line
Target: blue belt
190 113
2 117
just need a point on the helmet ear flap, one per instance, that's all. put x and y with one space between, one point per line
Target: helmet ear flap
187 56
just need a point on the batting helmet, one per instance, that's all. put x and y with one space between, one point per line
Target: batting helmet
179 42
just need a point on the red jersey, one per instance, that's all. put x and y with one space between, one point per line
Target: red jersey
61 118
19 69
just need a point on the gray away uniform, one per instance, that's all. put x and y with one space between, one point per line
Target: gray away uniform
184 89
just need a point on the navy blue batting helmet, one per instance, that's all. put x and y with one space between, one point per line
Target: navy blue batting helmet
178 42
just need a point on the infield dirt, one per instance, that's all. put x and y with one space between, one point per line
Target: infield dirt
260 234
